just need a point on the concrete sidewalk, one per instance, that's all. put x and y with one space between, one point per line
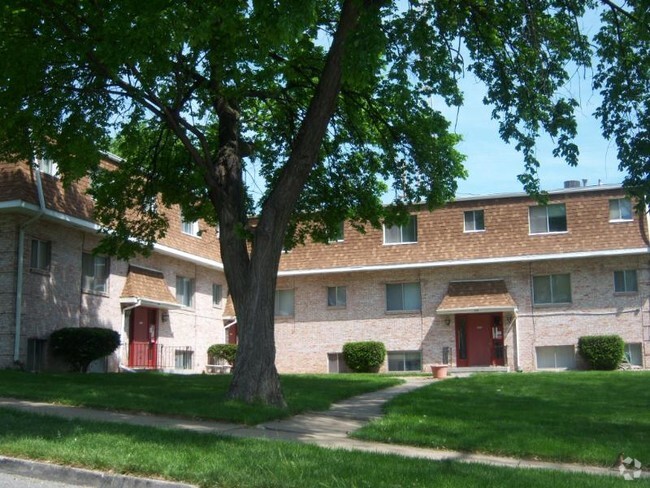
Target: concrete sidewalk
328 429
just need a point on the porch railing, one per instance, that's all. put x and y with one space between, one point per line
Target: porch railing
159 356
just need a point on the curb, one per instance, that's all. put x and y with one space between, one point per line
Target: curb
80 477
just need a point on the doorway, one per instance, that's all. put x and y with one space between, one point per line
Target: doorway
479 340
143 338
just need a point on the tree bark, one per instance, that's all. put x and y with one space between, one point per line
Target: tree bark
252 280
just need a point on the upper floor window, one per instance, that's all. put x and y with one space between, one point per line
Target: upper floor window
403 297
336 296
625 281
401 234
48 166
94 273
190 228
620 209
550 289
217 294
41 255
185 291
474 221
337 235
546 219
284 303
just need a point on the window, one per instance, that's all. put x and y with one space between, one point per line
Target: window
190 228
48 166
404 361
185 291
474 221
284 303
556 357
217 294
94 270
183 358
337 235
620 209
336 296
551 289
634 354
551 218
336 363
625 281
403 297
401 234
41 255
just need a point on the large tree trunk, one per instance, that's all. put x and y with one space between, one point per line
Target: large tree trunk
252 276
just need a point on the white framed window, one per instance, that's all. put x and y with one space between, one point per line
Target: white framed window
474 221
48 167
547 219
556 357
551 289
625 281
191 228
284 303
337 296
183 358
185 291
336 363
403 297
620 210
402 234
41 255
404 360
338 235
94 273
634 354
217 294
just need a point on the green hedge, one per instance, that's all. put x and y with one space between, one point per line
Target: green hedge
80 346
364 357
227 352
602 352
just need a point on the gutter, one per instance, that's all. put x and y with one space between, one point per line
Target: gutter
122 367
21 261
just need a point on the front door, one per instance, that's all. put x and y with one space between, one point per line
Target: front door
479 340
143 337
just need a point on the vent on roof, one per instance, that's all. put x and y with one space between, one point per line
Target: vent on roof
572 184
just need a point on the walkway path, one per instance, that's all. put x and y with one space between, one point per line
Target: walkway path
326 429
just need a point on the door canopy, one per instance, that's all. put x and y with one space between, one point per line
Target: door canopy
481 296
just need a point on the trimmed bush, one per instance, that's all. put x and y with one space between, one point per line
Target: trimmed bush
80 346
227 352
364 357
602 352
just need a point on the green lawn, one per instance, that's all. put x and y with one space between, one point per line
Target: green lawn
586 417
195 396
210 460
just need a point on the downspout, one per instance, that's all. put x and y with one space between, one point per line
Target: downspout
21 261
516 329
124 310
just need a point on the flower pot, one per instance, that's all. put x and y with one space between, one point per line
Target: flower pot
439 370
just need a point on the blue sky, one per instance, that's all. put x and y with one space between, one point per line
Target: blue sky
493 165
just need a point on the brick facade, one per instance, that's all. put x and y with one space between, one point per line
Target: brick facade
589 252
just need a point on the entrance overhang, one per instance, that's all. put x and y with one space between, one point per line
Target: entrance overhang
483 296
146 287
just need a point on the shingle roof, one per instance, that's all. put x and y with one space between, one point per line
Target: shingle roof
146 284
469 296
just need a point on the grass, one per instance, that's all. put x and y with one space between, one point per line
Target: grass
210 460
194 396
585 417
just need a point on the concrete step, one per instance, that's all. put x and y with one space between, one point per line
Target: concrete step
467 371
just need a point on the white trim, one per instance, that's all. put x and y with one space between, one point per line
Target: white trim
450 311
176 253
467 262
148 302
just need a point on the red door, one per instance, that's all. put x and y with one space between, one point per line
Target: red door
479 340
143 337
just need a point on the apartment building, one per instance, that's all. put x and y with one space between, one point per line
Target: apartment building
495 281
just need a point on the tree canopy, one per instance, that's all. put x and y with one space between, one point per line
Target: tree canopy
325 100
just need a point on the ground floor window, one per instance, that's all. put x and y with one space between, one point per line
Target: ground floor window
183 359
336 363
405 361
556 357
634 354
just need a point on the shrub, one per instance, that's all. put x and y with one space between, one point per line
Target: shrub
79 346
227 352
602 352
364 357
